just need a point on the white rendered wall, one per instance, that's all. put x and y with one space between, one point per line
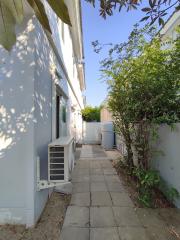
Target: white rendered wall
16 129
42 112
27 120
168 163
45 92
66 51
91 133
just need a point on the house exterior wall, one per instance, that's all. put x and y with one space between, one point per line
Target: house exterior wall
16 127
169 29
42 113
27 109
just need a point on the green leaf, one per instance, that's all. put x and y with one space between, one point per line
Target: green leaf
144 18
151 3
16 9
61 10
91 2
161 22
146 9
7 27
40 13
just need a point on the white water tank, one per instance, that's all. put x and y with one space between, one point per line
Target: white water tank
107 131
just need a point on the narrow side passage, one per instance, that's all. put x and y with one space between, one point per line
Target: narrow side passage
100 207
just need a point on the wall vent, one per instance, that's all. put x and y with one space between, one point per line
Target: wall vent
56 163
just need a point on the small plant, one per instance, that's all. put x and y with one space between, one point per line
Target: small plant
171 193
147 181
123 165
145 198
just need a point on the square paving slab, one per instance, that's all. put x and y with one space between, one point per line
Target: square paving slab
115 187
72 233
104 234
106 164
80 199
112 178
81 178
101 217
95 164
98 187
101 199
97 178
121 199
133 233
83 164
126 216
96 171
109 171
150 217
77 217
80 171
80 187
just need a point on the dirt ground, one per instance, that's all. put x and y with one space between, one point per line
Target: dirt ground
113 154
48 227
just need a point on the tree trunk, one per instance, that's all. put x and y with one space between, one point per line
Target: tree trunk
128 141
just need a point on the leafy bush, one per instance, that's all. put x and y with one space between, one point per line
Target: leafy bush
91 114
144 86
171 193
148 181
144 89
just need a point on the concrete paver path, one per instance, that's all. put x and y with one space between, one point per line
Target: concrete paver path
101 209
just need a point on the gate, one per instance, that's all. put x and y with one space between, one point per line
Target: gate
91 133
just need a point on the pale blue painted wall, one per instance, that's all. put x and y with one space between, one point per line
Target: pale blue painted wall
26 120
16 128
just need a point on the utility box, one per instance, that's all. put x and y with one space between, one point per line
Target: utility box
107 131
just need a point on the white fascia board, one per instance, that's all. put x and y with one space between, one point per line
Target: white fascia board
74 8
172 20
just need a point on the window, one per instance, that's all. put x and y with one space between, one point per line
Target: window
61 115
57 116
64 114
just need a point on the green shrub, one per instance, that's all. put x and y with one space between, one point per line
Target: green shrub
91 114
171 193
147 180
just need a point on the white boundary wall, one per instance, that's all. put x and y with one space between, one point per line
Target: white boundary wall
168 163
91 132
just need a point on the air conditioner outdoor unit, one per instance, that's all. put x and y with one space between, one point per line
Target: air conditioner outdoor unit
60 162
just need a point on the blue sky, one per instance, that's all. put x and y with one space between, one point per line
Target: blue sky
114 29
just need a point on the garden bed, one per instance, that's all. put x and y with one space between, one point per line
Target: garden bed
48 226
131 185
